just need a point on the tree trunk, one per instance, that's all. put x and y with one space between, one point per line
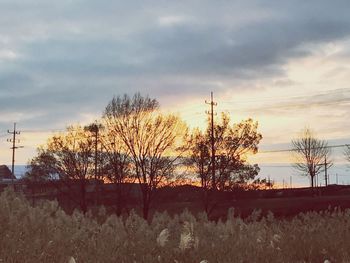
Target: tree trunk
145 210
83 205
146 198
119 201
209 200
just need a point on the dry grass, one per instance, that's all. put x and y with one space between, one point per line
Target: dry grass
46 234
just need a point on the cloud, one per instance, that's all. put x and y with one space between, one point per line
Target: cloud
7 54
67 58
331 99
172 20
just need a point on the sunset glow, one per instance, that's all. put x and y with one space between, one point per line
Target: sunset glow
283 65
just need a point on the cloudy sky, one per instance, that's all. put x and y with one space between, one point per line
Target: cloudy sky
283 63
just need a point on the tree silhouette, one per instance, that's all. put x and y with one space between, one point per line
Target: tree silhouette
310 154
233 143
69 158
150 137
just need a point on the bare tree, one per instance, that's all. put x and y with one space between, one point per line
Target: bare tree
310 154
150 137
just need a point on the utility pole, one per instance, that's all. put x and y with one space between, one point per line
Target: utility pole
14 147
212 138
95 128
96 142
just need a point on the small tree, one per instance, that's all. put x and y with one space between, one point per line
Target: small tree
69 158
150 137
310 154
40 168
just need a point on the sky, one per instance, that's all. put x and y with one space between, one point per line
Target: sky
285 64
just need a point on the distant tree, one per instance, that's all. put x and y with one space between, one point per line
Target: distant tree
40 168
67 157
310 154
261 184
233 143
39 172
150 137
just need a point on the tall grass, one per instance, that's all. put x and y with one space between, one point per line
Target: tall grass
46 234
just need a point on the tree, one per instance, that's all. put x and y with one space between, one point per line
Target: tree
116 167
233 143
232 146
40 168
39 172
150 137
69 158
310 154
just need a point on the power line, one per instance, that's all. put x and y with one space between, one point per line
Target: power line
293 150
43 130
275 166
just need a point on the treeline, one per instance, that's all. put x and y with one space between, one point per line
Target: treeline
133 142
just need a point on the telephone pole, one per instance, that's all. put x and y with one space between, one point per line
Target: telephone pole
212 138
95 128
14 147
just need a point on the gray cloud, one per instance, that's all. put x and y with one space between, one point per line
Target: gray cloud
73 56
325 100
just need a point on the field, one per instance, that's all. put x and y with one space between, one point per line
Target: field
45 233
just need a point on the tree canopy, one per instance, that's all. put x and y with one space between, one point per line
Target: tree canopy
151 139
233 143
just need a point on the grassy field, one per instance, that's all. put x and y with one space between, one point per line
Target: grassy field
45 233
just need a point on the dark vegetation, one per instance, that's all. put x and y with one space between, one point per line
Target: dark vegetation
45 233
283 203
